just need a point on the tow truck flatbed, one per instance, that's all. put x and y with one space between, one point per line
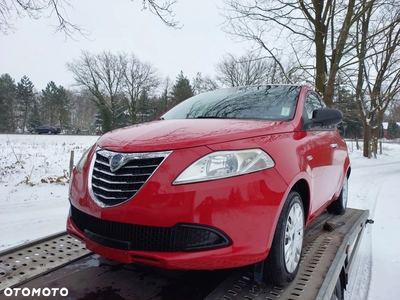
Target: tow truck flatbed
59 261
326 261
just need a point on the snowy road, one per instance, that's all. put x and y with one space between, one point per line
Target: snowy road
376 187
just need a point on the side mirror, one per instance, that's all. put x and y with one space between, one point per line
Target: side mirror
327 116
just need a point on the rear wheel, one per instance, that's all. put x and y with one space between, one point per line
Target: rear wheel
283 260
49 132
338 207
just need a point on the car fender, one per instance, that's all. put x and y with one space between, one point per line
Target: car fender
305 179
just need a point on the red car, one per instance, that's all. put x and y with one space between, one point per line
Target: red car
225 179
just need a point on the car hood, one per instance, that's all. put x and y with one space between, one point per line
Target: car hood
184 133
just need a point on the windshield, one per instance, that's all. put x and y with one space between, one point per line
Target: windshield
271 102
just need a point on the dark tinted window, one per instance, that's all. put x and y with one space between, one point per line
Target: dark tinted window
254 102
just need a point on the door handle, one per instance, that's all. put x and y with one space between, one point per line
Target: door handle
334 145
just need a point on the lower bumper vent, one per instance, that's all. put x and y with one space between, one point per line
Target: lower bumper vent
178 238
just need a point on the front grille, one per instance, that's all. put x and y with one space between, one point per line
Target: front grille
110 185
178 238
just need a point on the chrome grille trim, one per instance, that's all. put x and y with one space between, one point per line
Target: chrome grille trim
112 174
112 182
115 190
111 188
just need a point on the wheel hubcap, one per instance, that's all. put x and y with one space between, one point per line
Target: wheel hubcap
294 237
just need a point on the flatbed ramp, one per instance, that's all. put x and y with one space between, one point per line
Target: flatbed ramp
62 262
325 255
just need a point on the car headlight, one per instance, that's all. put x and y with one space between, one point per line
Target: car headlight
223 164
82 160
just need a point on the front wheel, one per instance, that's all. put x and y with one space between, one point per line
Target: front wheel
283 261
338 207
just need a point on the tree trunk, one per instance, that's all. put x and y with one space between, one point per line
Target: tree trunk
367 139
319 40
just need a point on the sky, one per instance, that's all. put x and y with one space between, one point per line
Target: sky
32 206
36 51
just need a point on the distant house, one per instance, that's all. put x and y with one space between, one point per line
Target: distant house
386 135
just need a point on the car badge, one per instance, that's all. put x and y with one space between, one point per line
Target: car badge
116 162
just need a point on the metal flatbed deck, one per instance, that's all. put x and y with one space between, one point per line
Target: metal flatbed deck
62 262
325 255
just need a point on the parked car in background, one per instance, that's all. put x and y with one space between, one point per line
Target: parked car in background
46 129
224 179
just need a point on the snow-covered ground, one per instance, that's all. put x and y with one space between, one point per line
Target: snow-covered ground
34 189
33 184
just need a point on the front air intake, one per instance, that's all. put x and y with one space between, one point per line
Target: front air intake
124 236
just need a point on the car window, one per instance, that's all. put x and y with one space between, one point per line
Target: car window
313 102
272 102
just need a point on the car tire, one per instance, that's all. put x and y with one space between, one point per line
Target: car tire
338 207
49 132
283 261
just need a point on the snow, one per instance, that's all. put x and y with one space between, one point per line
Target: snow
34 172
33 182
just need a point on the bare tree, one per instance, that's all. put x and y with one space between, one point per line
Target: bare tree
163 11
102 74
83 109
35 9
116 81
139 78
248 69
165 98
394 111
315 33
203 84
330 40
378 74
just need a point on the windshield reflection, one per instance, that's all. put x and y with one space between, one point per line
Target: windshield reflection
271 102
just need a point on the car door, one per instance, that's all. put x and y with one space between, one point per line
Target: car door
320 158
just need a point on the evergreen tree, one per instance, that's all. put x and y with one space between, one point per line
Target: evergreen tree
106 117
34 115
64 107
346 103
49 103
144 107
182 89
56 105
25 98
393 129
7 102
121 115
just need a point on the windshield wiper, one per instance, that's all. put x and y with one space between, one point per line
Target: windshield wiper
211 117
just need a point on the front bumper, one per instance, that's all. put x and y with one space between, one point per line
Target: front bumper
199 260
232 221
